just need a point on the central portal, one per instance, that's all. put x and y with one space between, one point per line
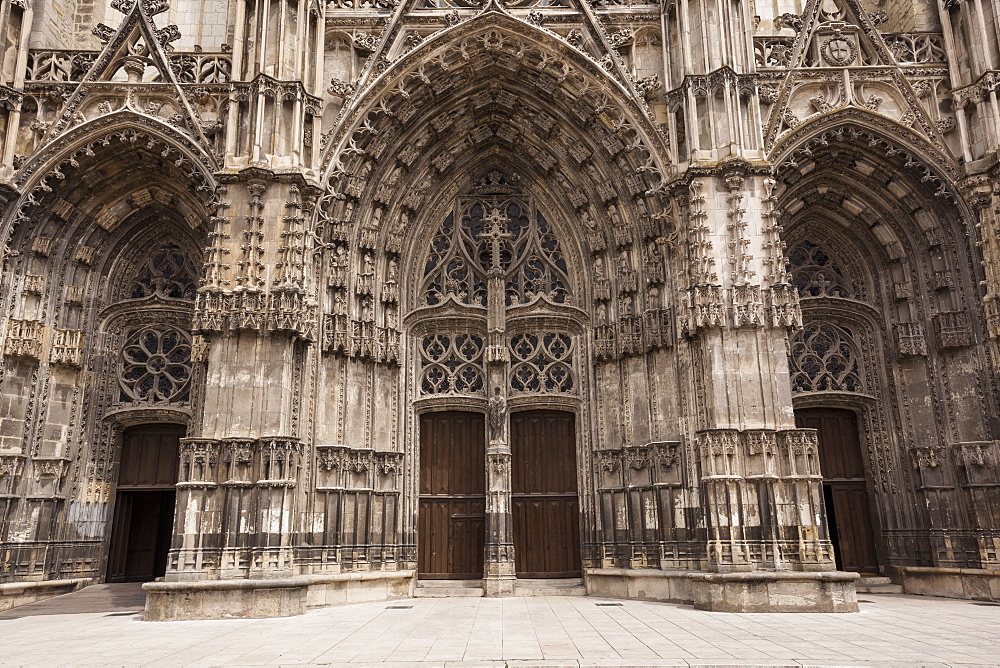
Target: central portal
497 332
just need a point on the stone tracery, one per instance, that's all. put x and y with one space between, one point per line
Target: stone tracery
502 233
824 358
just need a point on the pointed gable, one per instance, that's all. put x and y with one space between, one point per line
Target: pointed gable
134 53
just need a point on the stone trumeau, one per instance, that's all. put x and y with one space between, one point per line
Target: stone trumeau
307 302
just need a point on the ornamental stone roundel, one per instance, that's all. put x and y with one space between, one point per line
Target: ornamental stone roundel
838 50
156 366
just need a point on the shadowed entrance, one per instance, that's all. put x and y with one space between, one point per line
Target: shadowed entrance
144 510
845 491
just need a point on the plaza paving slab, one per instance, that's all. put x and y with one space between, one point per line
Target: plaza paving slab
102 626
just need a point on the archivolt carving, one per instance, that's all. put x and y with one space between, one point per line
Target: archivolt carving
800 145
581 87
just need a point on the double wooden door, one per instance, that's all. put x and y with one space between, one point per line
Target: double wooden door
545 506
144 507
845 491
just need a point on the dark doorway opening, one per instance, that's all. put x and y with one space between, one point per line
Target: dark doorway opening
144 506
546 505
845 490
452 515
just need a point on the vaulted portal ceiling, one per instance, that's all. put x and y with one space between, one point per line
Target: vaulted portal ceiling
492 91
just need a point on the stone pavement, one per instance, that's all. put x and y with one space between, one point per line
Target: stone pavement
101 625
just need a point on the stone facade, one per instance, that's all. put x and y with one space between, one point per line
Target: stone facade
294 228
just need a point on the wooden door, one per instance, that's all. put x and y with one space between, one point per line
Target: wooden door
452 519
545 503
144 506
845 490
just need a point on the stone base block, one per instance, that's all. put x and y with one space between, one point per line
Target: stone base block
225 599
249 599
342 588
644 584
785 591
13 594
978 584
499 587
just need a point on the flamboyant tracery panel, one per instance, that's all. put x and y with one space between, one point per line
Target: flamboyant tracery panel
166 273
816 272
461 254
824 357
542 364
452 364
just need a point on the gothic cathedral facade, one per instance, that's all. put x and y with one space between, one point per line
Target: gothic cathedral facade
312 301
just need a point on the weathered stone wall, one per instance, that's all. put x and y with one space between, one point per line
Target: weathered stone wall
305 163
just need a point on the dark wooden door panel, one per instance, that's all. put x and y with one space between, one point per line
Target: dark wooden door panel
545 505
451 523
150 457
845 490
839 441
543 452
854 530
144 507
451 541
547 537
452 453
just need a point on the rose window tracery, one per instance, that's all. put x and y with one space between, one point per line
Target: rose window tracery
167 273
155 366
824 357
452 364
817 273
542 363
528 253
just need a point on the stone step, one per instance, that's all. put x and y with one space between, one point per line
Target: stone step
879 588
448 588
551 587
873 580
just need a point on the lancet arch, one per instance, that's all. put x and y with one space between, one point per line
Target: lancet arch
902 297
494 85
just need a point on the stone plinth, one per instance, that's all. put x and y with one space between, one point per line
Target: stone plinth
14 594
225 599
831 591
979 584
251 599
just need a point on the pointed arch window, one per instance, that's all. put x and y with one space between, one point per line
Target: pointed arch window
817 272
504 234
825 358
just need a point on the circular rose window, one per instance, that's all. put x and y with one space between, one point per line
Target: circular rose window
156 366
